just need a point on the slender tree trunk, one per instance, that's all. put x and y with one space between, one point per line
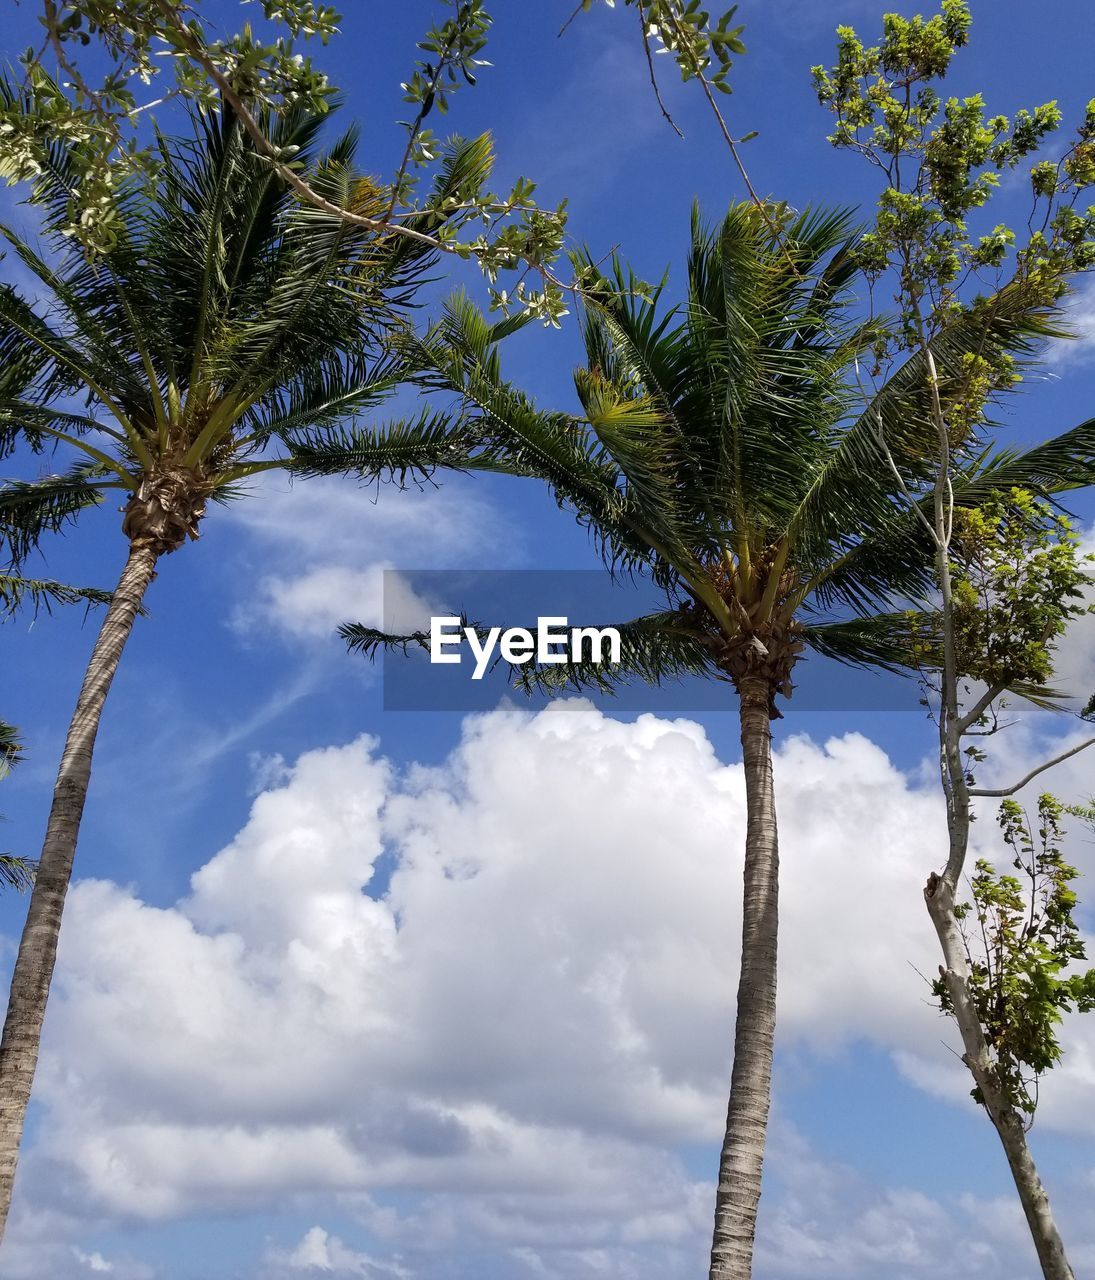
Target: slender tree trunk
978 1058
742 1162
939 893
1043 1228
33 972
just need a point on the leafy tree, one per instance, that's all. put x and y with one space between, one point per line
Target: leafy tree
723 450
228 326
63 93
1021 940
261 75
935 248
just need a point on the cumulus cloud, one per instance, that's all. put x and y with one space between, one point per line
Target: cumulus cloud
41 1247
501 987
832 1222
327 517
320 1251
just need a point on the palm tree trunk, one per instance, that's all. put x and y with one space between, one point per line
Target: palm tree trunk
742 1161
33 972
1008 1123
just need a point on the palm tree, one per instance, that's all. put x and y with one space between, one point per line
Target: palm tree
725 450
228 325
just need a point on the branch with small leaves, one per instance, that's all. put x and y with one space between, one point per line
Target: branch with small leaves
1033 773
682 30
258 76
1022 944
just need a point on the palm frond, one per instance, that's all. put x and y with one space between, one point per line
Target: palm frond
409 447
11 750
906 642
17 873
323 395
30 509
41 593
1056 466
896 561
654 648
854 492
72 291
459 358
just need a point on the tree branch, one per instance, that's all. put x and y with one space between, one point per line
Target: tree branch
650 68
1009 791
729 139
272 153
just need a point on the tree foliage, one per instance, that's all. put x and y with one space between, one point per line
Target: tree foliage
941 159
1023 944
1019 581
228 327
724 448
935 247
158 52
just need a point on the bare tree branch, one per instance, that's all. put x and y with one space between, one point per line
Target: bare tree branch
1010 791
650 67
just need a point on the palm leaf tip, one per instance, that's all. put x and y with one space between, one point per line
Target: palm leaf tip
11 750
17 873
41 593
372 641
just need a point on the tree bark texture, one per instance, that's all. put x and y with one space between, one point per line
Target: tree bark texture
742 1162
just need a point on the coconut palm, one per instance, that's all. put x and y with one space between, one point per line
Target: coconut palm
724 449
228 323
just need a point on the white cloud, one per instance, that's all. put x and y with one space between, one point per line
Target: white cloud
313 604
523 1026
1069 353
320 1251
832 1222
1075 660
331 545
40 1247
94 1261
340 518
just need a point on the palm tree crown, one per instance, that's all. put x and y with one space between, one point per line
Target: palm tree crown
725 448
228 323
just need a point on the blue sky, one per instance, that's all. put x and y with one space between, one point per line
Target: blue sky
508 1056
